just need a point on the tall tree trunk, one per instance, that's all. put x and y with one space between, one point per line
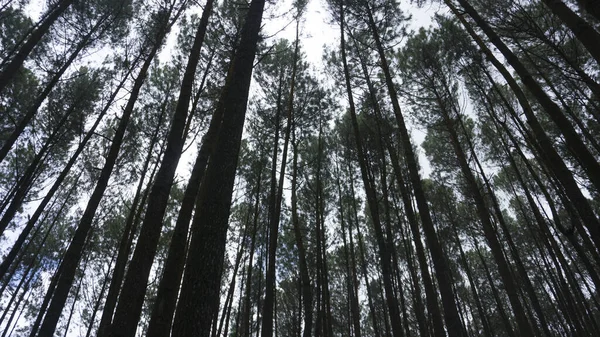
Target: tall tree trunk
453 321
11 68
33 109
74 252
432 303
353 296
307 299
25 182
572 139
129 231
510 286
246 322
131 300
502 312
549 155
58 182
209 227
384 254
166 298
585 32
267 328
105 283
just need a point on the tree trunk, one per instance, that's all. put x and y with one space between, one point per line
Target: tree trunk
267 328
304 275
129 308
32 111
73 253
549 155
585 33
129 230
453 321
485 218
10 70
572 139
59 180
209 227
384 254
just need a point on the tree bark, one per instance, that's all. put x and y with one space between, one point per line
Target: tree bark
131 300
209 227
75 250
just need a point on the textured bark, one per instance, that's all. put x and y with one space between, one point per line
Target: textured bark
200 289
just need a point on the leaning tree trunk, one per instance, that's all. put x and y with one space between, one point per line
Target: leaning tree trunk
129 230
550 157
209 227
57 183
572 139
10 70
585 32
73 254
483 212
131 300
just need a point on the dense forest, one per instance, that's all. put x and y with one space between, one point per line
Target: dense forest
170 168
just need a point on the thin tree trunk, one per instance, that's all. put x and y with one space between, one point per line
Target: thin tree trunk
268 316
100 297
572 139
58 182
549 155
384 254
74 252
453 321
129 230
304 275
32 110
